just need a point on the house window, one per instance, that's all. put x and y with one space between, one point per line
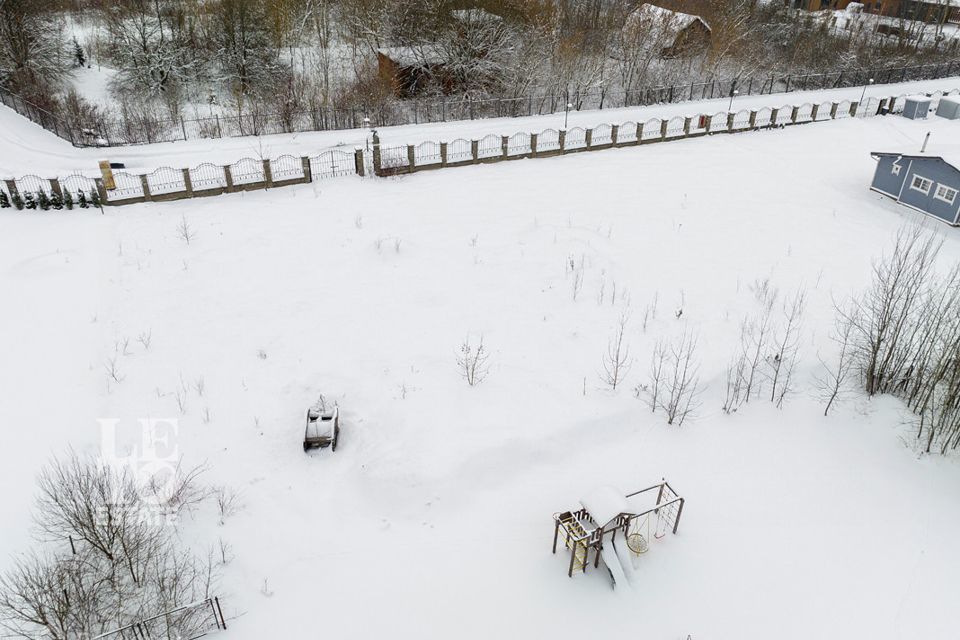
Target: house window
895 169
921 184
946 194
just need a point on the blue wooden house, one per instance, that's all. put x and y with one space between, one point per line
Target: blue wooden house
927 183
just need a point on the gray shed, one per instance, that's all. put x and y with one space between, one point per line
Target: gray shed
930 184
949 107
916 107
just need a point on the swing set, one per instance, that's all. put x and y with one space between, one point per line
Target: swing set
607 512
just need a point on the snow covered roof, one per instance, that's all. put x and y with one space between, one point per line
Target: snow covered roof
605 503
413 56
951 99
475 15
918 97
672 21
951 155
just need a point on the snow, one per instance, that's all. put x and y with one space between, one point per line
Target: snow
433 516
27 148
604 504
676 21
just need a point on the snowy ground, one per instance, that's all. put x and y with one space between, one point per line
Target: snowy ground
434 517
30 149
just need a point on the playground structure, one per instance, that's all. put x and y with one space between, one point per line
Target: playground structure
606 511
323 427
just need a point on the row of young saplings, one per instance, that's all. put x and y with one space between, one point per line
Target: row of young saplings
42 200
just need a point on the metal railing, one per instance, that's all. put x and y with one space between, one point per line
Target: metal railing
144 128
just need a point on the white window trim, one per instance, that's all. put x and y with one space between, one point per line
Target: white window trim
925 192
936 194
895 168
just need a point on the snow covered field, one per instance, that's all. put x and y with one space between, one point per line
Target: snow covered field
433 518
34 150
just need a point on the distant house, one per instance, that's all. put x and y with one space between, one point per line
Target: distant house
674 32
930 184
930 11
410 69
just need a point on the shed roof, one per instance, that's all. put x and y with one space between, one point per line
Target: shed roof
668 23
414 56
951 157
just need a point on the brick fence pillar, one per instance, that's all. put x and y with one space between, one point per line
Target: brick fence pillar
793 114
663 129
267 173
639 133
145 185
853 108
187 182
814 112
412 157
55 187
588 138
753 119
475 151
773 116
357 165
228 178
686 126
614 133
729 121
833 110
562 138
505 145
533 145
12 187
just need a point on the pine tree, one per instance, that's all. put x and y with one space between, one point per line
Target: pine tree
29 202
78 56
82 200
17 201
43 200
95 199
4 200
67 200
56 201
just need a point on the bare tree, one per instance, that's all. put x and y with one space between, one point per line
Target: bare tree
786 342
472 362
834 378
616 359
678 378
